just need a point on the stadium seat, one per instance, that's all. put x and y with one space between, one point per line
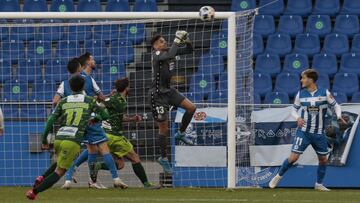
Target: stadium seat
276 98
62 6
318 24
106 32
218 45
337 44
122 50
327 7
112 69
55 71
98 50
67 49
4 31
295 63
347 24
355 98
325 63
10 111
133 32
258 45
15 91
264 25
240 5
218 97
347 83
291 25
39 50
223 82
279 44
78 32
211 64
351 7
296 7
323 81
13 50
145 5
33 111
307 44
202 84
35 6
42 91
23 33
268 64
5 71
29 70
287 82
117 6
257 99
51 33
272 8
195 97
355 44
89 6
10 6
350 63
262 84
340 97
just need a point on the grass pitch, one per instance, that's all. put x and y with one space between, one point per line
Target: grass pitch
85 195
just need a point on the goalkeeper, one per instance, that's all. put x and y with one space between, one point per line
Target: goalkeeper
163 96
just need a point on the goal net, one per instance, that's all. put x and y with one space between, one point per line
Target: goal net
216 76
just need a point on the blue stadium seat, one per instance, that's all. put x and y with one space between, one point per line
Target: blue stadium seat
307 44
347 83
323 81
15 91
113 69
122 50
262 84
327 7
10 111
23 33
350 63
318 24
133 32
351 7
67 49
223 82
258 45
89 6
268 64
276 98
325 63
257 99
55 71
340 97
336 43
202 84
12 50
355 44
291 25
10 6
29 70
35 6
4 31
106 32
218 97
355 98
218 45
33 111
287 82
117 6
51 33
145 5
78 32
347 24
211 64
5 71
240 5
264 25
296 7
42 91
98 50
275 8
279 44
295 63
62 6
39 50
195 97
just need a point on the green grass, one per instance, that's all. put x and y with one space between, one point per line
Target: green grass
85 195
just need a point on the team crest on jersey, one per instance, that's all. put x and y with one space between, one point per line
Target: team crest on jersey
200 116
313 110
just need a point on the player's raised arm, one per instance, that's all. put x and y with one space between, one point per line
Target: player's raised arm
187 49
101 112
160 44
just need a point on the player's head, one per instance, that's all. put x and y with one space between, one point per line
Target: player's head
87 61
76 83
122 85
158 43
73 66
308 78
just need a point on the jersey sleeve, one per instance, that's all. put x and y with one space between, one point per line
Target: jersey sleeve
61 90
187 49
332 102
96 88
101 112
297 103
51 121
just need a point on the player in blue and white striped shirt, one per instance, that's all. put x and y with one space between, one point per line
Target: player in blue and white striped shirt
310 107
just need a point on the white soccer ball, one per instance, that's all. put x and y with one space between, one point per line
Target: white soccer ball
207 13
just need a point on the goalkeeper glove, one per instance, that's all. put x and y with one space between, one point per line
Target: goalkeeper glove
180 36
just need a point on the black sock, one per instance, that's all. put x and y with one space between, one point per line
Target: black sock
101 166
50 170
186 119
48 182
140 172
162 144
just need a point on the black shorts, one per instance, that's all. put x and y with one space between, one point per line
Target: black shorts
161 102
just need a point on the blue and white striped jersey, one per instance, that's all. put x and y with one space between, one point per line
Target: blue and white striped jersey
91 88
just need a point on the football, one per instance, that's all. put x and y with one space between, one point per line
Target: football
207 13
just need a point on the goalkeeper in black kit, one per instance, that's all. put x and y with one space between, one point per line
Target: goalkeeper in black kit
162 96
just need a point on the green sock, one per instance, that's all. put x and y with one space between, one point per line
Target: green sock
101 166
50 170
48 182
140 172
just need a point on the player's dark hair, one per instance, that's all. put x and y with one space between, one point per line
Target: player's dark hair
311 73
155 38
73 65
84 58
76 83
121 84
